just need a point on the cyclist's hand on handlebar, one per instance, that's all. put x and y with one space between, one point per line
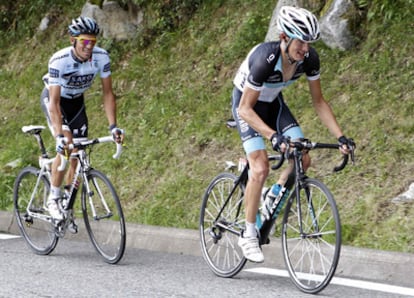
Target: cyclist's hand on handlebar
347 145
61 144
117 134
279 142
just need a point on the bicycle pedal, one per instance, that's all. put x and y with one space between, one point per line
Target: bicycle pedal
59 231
73 228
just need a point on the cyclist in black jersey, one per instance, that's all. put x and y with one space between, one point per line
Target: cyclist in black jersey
72 71
260 111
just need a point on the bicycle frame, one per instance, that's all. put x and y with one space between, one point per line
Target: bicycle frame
296 155
44 163
80 175
242 180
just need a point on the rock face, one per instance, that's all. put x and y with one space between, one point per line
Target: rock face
115 22
406 197
334 23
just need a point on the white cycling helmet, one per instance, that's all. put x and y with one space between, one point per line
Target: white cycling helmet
298 23
83 25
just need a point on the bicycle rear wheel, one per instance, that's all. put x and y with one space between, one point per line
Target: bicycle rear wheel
103 216
219 237
38 232
311 237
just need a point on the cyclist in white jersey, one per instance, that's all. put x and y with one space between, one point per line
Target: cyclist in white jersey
72 71
260 111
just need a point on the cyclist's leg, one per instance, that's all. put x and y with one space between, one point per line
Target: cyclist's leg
77 120
258 172
254 147
56 176
255 150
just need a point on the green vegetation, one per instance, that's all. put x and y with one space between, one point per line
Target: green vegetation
173 86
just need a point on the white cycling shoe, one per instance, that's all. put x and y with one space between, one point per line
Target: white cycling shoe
54 209
251 249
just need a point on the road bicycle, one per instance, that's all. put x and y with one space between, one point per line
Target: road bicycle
311 229
101 208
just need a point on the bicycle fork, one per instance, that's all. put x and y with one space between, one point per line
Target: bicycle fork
91 195
300 183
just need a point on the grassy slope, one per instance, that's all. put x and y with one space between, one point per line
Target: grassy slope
174 97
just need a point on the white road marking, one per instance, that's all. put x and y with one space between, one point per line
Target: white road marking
8 236
345 282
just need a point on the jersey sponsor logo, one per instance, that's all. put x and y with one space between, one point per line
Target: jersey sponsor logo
107 67
270 58
53 72
78 81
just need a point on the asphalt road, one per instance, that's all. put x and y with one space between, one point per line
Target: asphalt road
167 262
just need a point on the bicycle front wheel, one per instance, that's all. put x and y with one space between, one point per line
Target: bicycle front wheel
219 234
103 216
311 237
38 232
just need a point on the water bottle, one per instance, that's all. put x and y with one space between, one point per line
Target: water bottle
271 200
259 216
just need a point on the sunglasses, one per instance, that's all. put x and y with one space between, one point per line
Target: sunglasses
86 41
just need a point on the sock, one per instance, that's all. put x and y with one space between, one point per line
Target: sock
54 192
250 230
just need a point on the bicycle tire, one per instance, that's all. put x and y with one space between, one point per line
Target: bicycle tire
219 243
107 229
311 257
38 233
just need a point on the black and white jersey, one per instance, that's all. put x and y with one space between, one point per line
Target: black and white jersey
74 76
262 70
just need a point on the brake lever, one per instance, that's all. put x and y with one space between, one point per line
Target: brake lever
352 151
287 151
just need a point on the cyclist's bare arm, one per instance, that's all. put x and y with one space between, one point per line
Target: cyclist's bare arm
247 113
110 103
54 109
325 112
109 100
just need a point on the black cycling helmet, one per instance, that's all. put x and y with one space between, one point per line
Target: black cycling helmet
83 25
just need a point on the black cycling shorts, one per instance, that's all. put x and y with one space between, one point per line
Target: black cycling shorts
73 111
275 114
